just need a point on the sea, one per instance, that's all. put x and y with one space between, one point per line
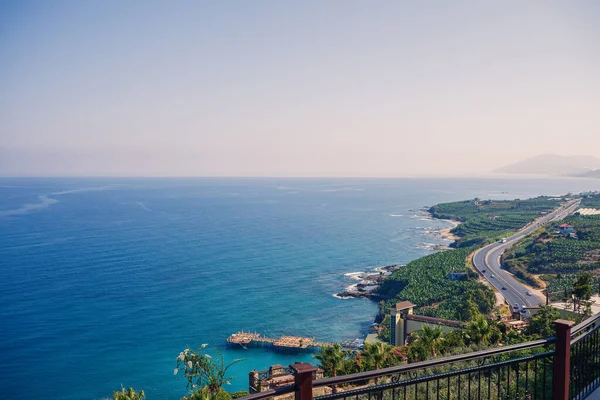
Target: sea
105 280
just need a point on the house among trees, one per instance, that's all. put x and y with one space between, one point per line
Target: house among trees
458 276
403 322
565 228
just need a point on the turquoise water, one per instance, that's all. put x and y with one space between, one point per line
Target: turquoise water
105 281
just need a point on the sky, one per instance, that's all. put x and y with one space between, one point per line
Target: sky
281 88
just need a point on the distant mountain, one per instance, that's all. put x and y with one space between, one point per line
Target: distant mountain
553 164
590 174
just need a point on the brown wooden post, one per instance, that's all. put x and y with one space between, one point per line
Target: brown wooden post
562 360
303 377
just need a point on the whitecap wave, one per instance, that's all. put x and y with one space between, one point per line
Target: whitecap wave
337 296
354 275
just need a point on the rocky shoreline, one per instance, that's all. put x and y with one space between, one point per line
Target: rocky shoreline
368 282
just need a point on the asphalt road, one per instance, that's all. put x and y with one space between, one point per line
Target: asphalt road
488 259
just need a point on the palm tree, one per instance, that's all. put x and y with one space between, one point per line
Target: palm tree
479 330
129 394
331 358
376 354
430 338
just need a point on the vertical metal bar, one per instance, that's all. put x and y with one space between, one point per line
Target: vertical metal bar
469 385
526 377
479 385
427 390
508 382
517 380
544 362
535 374
438 389
490 384
448 388
458 386
596 354
581 371
576 374
404 392
499 377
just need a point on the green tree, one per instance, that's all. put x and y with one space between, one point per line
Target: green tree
129 394
479 330
205 375
332 359
542 322
206 394
471 311
430 338
376 354
454 339
582 288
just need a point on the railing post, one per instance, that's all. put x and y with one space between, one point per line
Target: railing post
303 377
562 360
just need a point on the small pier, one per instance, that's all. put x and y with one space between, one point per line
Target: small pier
286 344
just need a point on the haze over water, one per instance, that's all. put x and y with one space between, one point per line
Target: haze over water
104 281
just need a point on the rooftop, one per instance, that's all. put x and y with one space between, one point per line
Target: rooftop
403 305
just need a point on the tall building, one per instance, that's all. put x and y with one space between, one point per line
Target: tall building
403 322
397 325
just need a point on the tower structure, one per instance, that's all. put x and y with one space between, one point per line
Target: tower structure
398 322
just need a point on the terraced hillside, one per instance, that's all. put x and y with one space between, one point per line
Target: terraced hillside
488 220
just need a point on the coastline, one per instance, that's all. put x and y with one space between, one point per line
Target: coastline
445 232
369 281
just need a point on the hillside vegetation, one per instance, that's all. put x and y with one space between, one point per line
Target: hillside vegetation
547 251
590 200
488 220
426 283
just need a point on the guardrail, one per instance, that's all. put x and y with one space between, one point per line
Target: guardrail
566 366
585 358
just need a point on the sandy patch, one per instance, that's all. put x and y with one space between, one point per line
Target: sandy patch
445 232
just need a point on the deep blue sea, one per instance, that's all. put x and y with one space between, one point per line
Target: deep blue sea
104 281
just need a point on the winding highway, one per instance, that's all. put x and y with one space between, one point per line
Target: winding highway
487 261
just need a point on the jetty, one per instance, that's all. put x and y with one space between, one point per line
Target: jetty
285 344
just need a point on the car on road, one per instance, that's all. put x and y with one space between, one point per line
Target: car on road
528 293
492 276
503 287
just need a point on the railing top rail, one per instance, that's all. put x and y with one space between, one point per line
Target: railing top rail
584 324
432 377
270 393
431 363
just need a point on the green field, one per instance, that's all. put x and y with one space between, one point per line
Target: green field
547 252
487 220
591 200
426 283
560 286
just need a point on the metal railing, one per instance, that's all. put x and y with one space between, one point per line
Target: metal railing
479 375
585 358
563 367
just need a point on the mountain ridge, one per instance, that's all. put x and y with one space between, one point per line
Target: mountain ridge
555 165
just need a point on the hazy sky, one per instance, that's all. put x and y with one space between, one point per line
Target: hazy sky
305 88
